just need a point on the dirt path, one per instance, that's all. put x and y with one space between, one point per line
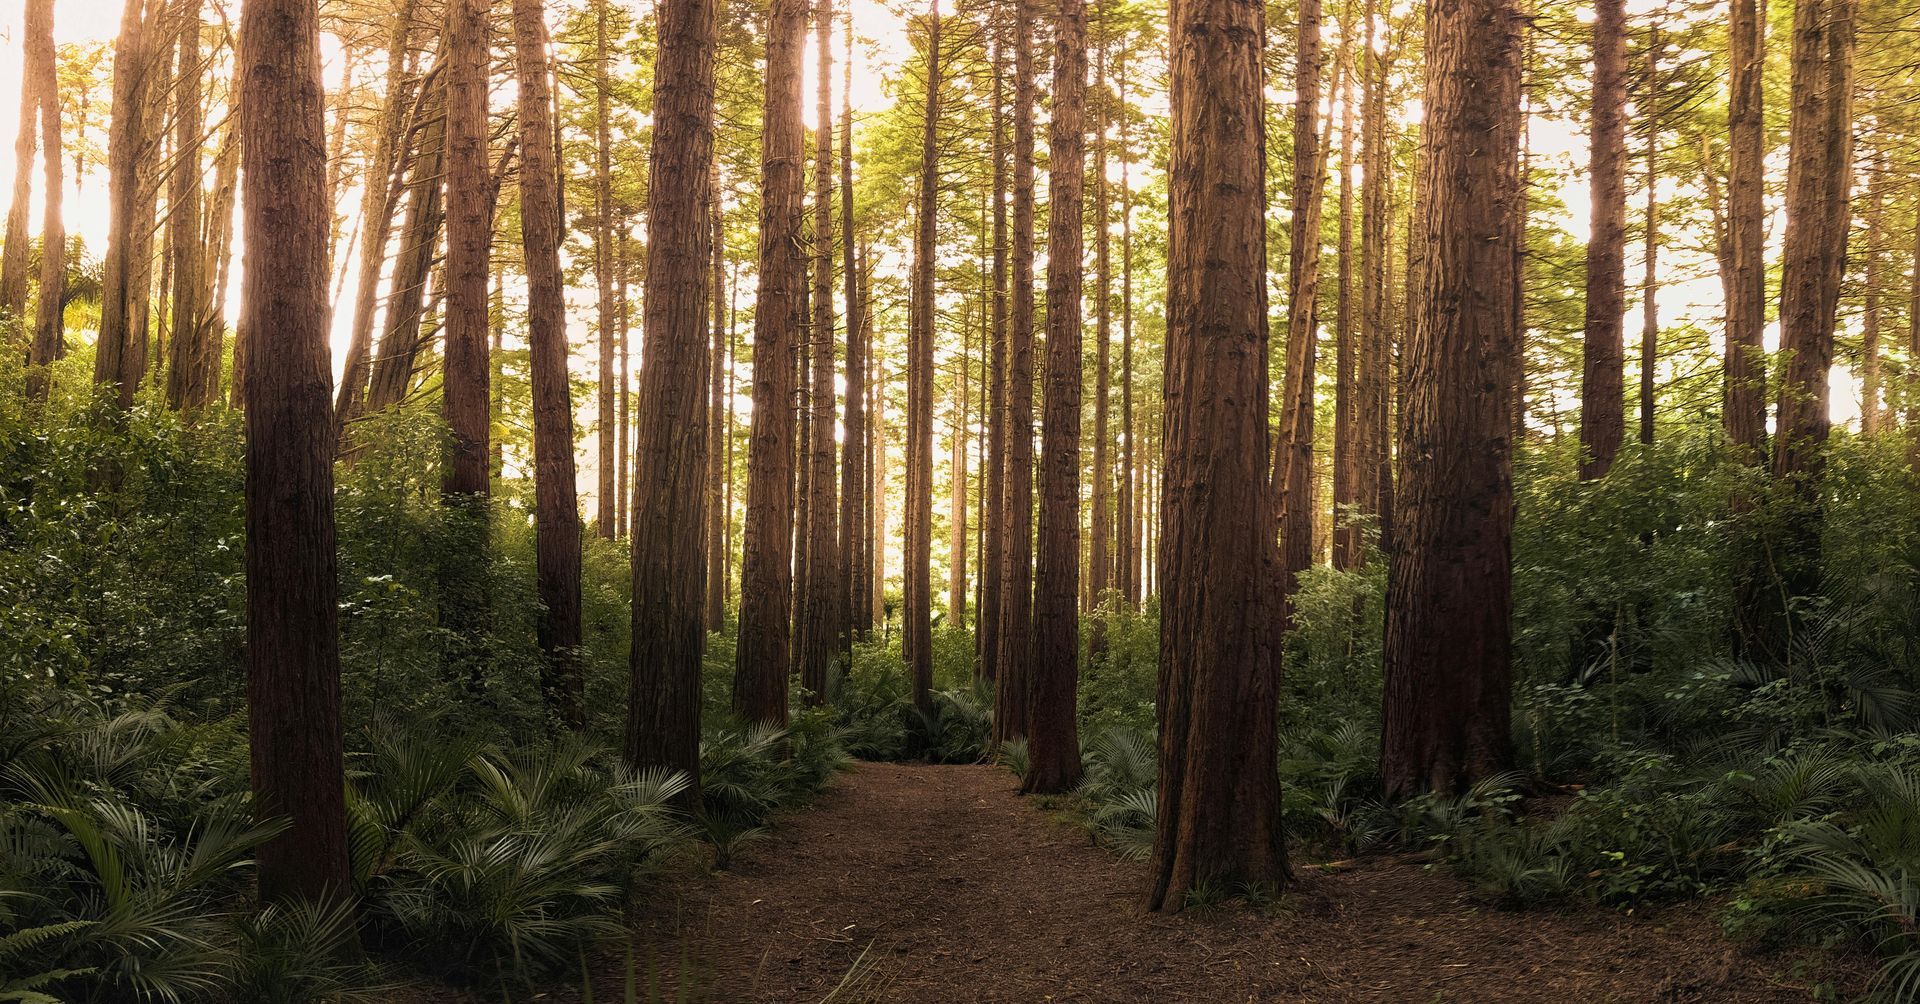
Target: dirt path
958 890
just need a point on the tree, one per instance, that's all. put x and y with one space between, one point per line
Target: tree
1746 278
820 630
670 440
193 365
1373 412
1813 264
1100 549
1347 448
1219 792
994 470
719 415
1293 460
13 255
605 500
854 544
764 650
1448 677
1053 742
556 514
1602 394
120 356
45 345
916 632
293 658
1016 550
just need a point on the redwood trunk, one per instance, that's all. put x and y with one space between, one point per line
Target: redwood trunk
1602 393
1219 793
820 630
994 470
1448 673
38 56
1293 461
1053 739
854 543
764 652
606 505
916 631
293 680
1746 382
670 448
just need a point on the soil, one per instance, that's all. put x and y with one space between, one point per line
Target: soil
922 883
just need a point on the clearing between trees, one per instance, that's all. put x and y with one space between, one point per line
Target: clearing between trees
955 889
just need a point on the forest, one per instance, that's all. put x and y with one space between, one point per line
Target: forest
960 500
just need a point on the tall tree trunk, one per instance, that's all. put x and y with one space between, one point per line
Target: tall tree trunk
819 634
193 370
1870 307
1129 536
717 414
1448 673
764 651
13 255
1813 263
1746 381
669 567
391 371
1650 284
1219 794
293 657
466 403
43 80
854 584
132 149
1346 403
957 480
1374 367
1100 548
606 508
1292 488
1602 393
1053 741
994 470
383 179
624 308
1010 708
556 514
916 631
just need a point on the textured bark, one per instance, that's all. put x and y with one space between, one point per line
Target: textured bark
605 523
1016 556
1650 283
1129 536
625 311
819 633
1746 382
1448 672
854 585
1100 549
120 359
293 659
766 587
1602 393
1292 489
48 333
669 564
469 237
193 365
401 336
1053 740
916 629
994 469
957 486
1219 793
1347 447
718 413
13 255
384 177
556 515
1374 366
1813 264
1870 306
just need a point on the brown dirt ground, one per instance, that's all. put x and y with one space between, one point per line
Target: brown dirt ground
955 889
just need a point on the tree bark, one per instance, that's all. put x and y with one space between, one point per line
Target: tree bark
120 359
916 631
854 585
1292 489
1219 793
1374 366
1346 403
193 367
764 651
1053 740
293 659
669 564
1100 549
994 470
556 515
1650 284
820 631
1129 536
13 255
1010 710
1870 307
1448 648
1746 379
48 325
392 368
717 412
1602 393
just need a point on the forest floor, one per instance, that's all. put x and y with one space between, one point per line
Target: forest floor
938 883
